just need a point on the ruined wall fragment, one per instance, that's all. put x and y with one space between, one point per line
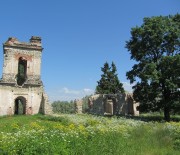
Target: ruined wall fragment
113 104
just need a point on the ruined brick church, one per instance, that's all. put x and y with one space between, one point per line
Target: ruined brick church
21 88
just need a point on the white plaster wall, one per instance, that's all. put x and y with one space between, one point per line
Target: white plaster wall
36 65
33 95
8 95
11 62
5 100
8 67
36 101
30 67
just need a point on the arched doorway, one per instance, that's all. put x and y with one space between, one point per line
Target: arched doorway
20 106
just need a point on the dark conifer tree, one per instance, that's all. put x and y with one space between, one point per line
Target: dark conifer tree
109 82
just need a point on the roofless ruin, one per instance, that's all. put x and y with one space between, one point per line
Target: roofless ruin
21 88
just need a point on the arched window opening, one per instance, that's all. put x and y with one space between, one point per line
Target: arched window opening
22 68
20 106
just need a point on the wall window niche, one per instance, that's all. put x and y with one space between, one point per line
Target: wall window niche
22 69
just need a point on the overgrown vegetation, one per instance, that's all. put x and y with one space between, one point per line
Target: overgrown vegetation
63 107
21 76
68 107
155 47
86 134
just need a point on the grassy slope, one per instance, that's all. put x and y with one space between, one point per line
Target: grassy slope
86 134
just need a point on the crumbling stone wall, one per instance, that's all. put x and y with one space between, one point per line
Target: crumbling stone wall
31 52
113 104
96 104
78 106
31 93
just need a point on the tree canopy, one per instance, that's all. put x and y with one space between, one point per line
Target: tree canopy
63 107
109 82
155 46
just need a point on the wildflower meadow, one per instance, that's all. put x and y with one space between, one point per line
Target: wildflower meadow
72 134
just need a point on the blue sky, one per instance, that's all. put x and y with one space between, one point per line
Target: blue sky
78 37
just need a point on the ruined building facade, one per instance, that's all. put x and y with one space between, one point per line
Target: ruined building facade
21 88
78 106
113 104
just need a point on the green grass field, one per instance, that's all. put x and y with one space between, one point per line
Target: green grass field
87 135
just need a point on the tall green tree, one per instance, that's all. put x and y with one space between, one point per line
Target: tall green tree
109 82
155 46
63 107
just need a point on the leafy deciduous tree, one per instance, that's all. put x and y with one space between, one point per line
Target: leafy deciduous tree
63 107
155 45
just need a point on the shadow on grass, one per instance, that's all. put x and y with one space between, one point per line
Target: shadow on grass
149 118
63 120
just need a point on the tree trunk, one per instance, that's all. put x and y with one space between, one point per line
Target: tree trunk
166 114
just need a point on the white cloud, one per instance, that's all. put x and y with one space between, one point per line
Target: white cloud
128 87
86 90
68 91
67 94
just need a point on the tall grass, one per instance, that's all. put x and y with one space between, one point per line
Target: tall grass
86 135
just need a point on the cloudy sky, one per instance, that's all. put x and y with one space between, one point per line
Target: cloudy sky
78 37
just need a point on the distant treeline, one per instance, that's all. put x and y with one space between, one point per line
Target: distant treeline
68 107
